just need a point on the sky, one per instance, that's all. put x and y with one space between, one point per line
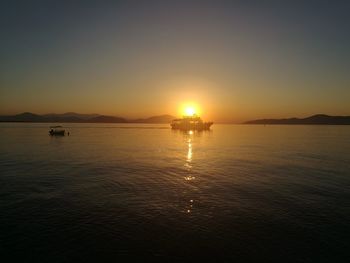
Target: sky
235 60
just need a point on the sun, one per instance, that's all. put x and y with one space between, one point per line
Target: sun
189 111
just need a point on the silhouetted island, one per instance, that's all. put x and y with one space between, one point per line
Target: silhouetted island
71 117
318 119
155 119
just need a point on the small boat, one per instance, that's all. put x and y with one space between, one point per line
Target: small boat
57 130
190 123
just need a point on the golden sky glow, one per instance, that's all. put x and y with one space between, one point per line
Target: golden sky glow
226 60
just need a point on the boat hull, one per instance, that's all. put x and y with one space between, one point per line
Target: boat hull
57 133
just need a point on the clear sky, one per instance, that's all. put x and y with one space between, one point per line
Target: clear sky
236 60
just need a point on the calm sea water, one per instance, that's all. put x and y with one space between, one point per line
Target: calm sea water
115 192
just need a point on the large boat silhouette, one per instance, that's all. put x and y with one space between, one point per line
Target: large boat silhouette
193 122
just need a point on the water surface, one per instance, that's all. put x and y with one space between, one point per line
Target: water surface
122 192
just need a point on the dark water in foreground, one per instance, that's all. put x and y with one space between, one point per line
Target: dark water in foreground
124 192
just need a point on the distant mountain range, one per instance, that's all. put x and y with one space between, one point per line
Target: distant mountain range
81 118
315 119
71 117
155 119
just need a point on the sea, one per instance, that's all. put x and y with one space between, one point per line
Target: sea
146 193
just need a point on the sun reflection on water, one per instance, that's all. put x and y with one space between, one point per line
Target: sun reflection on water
189 167
188 163
189 152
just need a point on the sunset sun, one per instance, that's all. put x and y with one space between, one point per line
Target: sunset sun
190 111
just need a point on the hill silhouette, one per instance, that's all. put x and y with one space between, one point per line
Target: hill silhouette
318 119
106 119
72 117
155 119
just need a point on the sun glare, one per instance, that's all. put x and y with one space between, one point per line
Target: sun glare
190 111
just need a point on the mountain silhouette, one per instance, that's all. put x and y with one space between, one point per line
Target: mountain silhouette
106 119
318 119
23 117
155 119
72 117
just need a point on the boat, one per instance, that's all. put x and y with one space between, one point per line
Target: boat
57 130
193 122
